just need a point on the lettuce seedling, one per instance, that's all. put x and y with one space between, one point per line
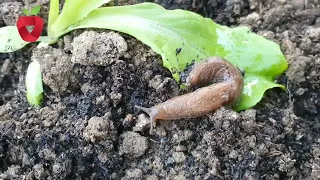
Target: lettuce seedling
181 37
34 83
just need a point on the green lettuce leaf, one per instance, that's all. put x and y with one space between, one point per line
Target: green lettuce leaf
72 11
53 15
196 38
10 39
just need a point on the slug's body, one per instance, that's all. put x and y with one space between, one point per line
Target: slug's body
226 85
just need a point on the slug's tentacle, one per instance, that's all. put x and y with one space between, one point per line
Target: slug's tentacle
219 83
151 116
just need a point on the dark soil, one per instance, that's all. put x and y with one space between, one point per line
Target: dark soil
88 129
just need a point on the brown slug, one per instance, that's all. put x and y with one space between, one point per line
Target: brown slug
226 85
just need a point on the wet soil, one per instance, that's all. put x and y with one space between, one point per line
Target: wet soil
88 128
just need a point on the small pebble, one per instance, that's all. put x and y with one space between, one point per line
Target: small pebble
179 157
180 148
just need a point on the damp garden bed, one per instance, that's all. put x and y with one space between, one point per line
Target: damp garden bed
87 127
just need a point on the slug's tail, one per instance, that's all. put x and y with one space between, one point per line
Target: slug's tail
149 112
